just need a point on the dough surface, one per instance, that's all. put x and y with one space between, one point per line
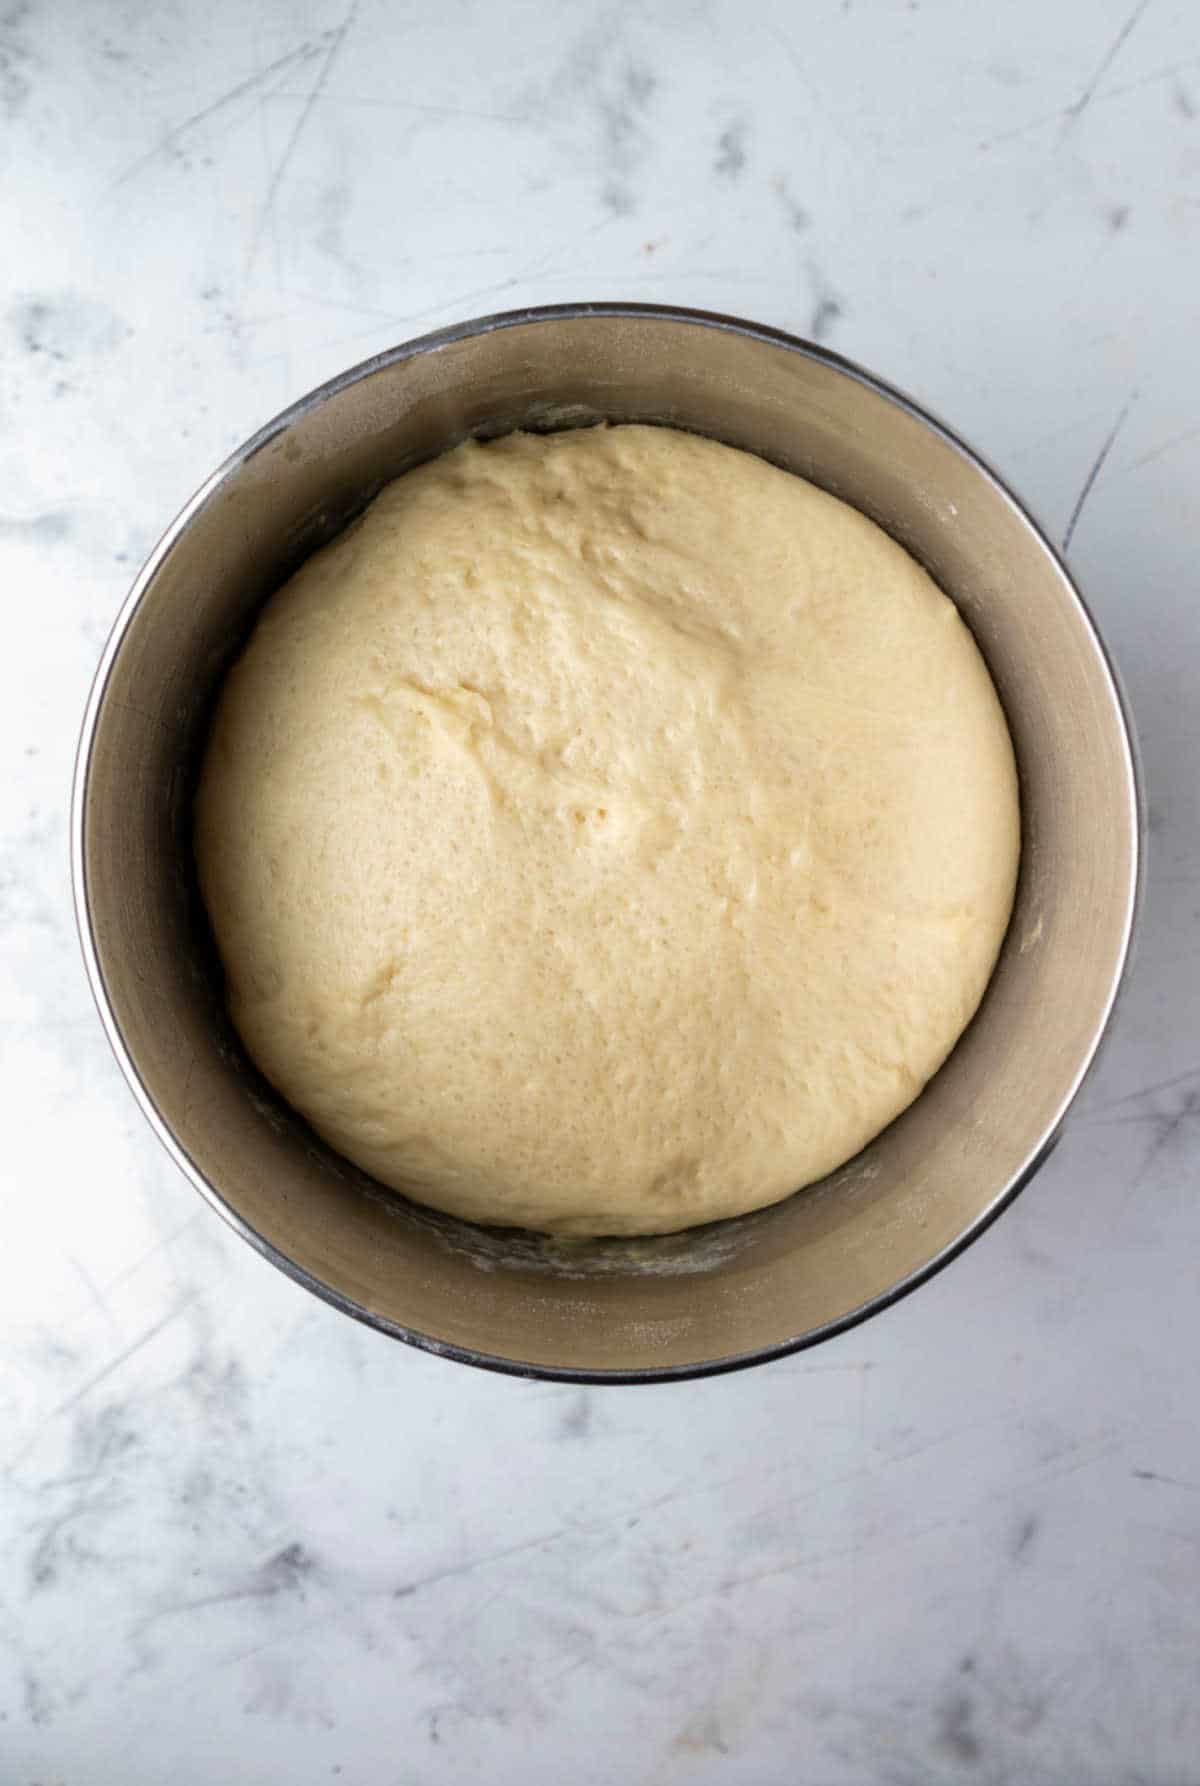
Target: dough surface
608 833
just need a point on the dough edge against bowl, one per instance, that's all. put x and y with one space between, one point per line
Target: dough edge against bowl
604 504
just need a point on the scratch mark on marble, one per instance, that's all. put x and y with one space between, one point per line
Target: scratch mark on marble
1075 111
171 138
441 114
803 1369
571 1667
122 1358
790 51
320 1622
1092 1455
814 97
353 308
90 1285
168 1240
47 1558
1097 467
457 254
1166 446
486 1561
1120 91
287 1572
266 215
1167 1481
431 311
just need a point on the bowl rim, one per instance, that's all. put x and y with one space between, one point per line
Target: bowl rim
261 438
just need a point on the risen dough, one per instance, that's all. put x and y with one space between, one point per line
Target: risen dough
609 832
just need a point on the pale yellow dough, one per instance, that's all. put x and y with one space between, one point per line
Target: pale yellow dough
608 833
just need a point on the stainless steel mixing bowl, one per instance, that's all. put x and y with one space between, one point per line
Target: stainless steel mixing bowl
712 1298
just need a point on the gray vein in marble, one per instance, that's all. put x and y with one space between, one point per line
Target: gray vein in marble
1024 1536
956 1728
702 1734
121 1359
622 108
289 1571
828 306
600 80
47 529
1149 1091
38 1705
16 58
98 1444
53 329
576 1422
730 159
183 1435
826 312
1169 1130
795 215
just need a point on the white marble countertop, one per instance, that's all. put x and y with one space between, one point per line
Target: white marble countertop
242 1539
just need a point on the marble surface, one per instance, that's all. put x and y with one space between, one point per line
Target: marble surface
242 1539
